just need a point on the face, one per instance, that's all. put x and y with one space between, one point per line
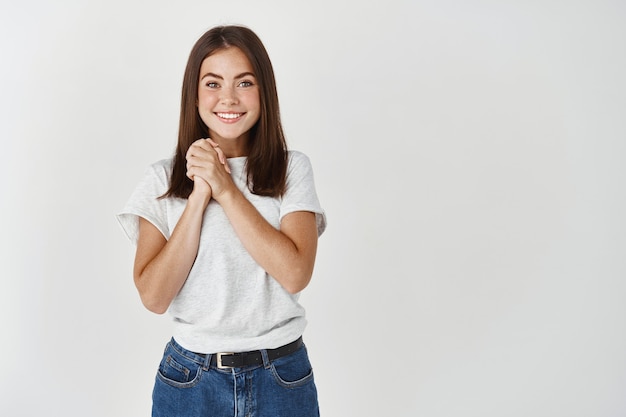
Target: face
228 98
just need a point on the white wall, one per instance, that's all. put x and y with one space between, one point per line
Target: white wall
470 156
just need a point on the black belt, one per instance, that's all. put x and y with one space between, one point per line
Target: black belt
225 360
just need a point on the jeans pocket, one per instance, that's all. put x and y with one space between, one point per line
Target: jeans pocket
178 371
293 370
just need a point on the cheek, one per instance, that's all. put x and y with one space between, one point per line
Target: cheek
207 120
204 116
253 103
204 108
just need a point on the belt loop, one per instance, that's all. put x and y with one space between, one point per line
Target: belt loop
207 362
266 359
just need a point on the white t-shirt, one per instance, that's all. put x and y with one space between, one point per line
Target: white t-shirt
228 303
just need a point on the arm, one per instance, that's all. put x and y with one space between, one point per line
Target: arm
162 266
287 254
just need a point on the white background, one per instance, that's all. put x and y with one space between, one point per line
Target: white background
469 154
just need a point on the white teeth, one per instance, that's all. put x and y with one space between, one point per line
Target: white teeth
229 115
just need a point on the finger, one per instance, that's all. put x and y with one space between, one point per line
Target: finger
189 172
191 163
192 150
197 152
216 148
198 146
220 154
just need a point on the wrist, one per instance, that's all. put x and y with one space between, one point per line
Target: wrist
200 199
228 197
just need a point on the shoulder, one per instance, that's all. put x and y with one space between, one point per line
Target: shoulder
161 169
298 159
157 175
299 167
162 165
296 155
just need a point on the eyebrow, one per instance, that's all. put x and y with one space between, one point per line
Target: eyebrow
219 77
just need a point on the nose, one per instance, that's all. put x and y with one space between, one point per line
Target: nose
228 96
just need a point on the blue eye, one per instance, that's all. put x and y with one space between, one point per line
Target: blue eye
245 84
212 85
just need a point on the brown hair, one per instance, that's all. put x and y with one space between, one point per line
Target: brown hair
267 149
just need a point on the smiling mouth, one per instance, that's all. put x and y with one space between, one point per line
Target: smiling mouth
229 116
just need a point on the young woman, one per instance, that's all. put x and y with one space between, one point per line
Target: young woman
226 234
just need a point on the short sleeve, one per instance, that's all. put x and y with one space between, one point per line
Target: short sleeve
300 194
145 202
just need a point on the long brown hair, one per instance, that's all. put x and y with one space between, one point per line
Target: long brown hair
267 149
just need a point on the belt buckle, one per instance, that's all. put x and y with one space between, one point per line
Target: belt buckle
219 360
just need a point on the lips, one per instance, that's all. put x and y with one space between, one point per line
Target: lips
229 116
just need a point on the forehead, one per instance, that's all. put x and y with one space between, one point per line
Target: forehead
224 62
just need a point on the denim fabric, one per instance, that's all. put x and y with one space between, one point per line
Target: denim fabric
186 386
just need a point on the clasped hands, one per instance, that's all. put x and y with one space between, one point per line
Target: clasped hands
208 168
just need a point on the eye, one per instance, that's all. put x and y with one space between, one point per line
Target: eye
246 84
212 84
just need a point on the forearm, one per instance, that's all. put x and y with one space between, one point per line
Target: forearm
160 280
286 256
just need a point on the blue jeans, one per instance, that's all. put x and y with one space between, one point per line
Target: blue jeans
188 386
